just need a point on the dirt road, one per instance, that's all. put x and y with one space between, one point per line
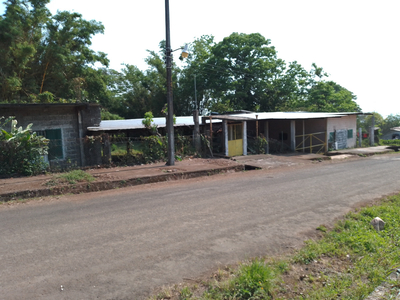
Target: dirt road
122 244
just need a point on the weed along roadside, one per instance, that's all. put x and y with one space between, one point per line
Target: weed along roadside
348 261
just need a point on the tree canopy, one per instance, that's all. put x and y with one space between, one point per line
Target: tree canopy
47 58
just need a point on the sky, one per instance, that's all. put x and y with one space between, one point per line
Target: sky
357 42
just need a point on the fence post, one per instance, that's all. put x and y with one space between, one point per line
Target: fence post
106 149
372 131
196 132
211 133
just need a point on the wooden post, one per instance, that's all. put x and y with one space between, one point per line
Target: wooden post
128 145
256 126
211 133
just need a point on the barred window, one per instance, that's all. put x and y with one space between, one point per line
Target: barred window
350 133
55 142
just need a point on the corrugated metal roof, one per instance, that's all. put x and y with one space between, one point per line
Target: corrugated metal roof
283 115
108 125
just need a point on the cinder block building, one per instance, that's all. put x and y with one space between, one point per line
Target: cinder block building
65 125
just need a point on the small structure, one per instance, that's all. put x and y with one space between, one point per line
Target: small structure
298 131
65 125
393 134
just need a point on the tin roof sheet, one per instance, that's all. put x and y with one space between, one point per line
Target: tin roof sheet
109 125
282 115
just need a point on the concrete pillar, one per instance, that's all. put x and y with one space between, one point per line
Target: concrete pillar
225 133
360 137
304 136
326 136
293 135
81 147
372 131
244 138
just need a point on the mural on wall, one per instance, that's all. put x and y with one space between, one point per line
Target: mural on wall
341 138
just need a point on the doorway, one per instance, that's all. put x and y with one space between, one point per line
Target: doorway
235 139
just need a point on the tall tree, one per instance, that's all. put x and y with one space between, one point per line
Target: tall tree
390 122
21 31
192 91
141 91
328 96
242 71
45 54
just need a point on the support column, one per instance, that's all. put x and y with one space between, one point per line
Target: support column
211 133
293 135
196 132
225 132
360 137
304 136
326 136
266 133
244 137
81 147
372 131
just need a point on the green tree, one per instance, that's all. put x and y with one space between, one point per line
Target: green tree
328 96
390 122
365 122
241 72
21 31
138 92
243 69
43 53
106 115
192 91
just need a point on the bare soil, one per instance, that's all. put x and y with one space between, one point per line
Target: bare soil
118 177
115 177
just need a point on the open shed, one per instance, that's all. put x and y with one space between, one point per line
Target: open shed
298 131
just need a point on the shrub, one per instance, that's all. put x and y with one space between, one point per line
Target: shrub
21 151
154 148
257 145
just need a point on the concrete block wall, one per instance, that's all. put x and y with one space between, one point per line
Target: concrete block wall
344 123
63 117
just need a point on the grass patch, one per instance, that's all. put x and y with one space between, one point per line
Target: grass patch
120 149
348 262
71 177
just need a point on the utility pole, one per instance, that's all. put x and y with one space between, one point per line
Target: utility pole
170 113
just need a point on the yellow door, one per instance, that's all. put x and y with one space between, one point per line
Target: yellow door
235 140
